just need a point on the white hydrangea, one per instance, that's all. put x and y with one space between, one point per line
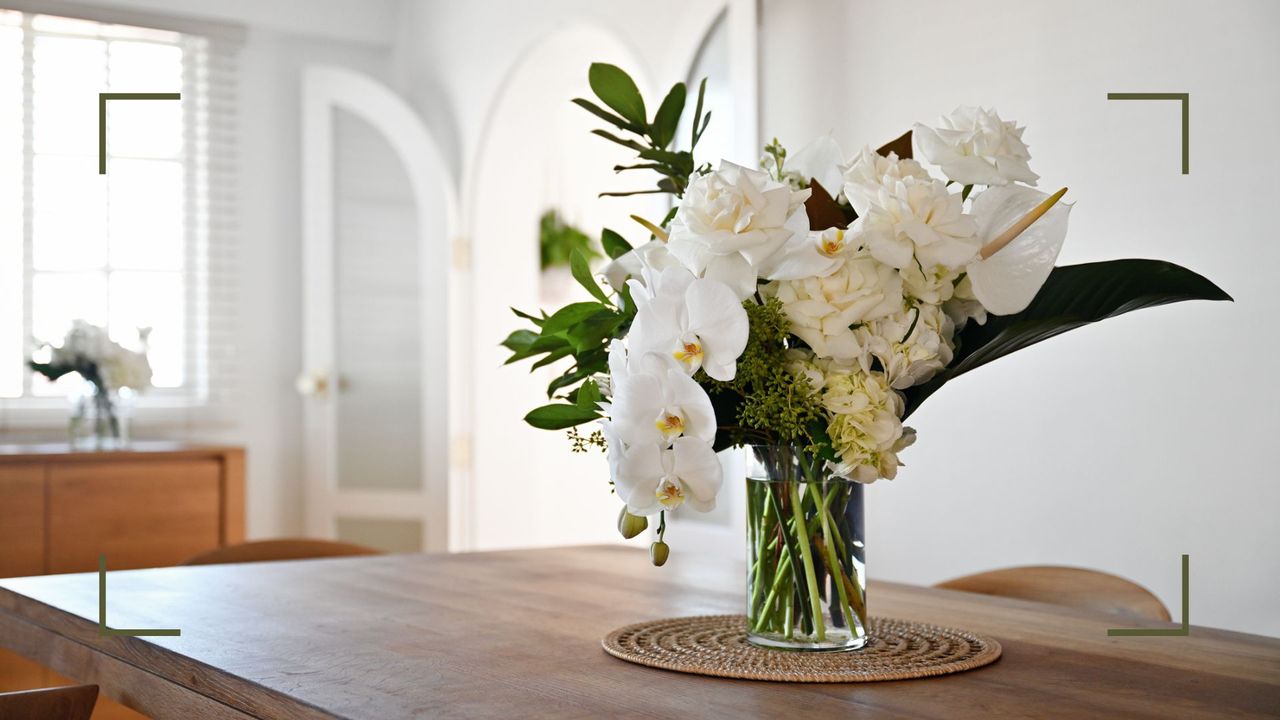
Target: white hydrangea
912 345
865 428
823 310
912 221
973 146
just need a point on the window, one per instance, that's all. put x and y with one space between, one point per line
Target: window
130 249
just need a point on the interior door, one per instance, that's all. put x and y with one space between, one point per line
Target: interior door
376 227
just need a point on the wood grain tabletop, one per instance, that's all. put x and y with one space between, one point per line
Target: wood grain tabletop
517 634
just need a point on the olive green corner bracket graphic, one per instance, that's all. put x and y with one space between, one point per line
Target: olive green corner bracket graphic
1186 118
1186 612
102 118
102 611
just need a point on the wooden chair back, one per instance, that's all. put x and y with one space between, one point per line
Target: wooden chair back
73 702
282 549
1066 586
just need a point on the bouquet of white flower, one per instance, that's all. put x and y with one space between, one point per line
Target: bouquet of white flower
103 363
804 310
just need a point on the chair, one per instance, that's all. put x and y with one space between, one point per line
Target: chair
73 702
283 549
1071 587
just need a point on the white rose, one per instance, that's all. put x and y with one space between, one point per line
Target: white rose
918 221
974 146
823 310
732 222
868 171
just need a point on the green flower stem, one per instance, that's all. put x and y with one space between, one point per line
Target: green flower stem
833 564
789 545
811 578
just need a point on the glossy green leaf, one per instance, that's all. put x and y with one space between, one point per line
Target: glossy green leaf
1072 297
582 273
617 90
616 121
569 315
588 395
543 344
663 130
632 144
520 340
697 115
559 416
615 246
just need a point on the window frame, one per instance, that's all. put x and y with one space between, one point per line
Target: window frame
195 401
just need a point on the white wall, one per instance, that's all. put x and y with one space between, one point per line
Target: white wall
1124 445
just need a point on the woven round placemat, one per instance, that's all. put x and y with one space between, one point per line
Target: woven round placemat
717 645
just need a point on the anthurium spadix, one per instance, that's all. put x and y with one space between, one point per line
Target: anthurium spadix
1012 271
699 322
650 478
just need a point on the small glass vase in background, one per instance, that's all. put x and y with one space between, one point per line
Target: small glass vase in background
99 418
806 562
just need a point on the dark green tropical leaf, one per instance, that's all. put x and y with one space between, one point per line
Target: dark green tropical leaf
1072 297
663 130
615 246
559 416
582 273
616 88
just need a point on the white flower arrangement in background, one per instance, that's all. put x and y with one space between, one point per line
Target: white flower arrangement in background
813 303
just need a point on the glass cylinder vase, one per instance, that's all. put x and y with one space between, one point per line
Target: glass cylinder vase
806 562
99 419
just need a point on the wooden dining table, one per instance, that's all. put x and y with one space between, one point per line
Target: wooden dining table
517 634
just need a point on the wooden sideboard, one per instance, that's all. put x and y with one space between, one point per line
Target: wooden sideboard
153 504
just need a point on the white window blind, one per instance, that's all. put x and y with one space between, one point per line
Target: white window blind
149 244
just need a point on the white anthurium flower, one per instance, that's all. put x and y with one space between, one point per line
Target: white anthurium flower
823 310
1007 281
656 403
973 146
868 171
732 221
918 221
698 322
651 479
821 160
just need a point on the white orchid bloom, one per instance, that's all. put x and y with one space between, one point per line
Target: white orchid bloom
650 479
652 257
731 222
821 160
974 146
655 402
1006 282
698 322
